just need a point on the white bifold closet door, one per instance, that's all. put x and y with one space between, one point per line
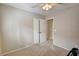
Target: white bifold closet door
39 30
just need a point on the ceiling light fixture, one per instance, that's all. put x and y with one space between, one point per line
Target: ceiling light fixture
48 6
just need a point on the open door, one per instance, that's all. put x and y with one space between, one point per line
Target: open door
39 30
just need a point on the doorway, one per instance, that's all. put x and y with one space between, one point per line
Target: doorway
50 29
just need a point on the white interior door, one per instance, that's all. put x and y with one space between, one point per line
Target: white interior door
39 27
36 30
43 30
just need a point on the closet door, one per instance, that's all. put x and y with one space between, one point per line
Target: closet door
39 29
43 30
36 30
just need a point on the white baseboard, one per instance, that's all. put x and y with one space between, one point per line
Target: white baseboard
3 54
62 47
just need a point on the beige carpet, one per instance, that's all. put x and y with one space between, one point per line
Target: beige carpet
44 49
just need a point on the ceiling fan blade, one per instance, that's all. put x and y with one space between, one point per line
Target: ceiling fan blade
37 5
60 3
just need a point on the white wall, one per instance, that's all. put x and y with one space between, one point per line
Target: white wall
17 28
0 31
66 27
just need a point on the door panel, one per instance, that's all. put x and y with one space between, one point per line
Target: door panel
43 31
36 30
40 32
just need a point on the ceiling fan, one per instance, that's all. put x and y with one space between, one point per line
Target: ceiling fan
46 6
